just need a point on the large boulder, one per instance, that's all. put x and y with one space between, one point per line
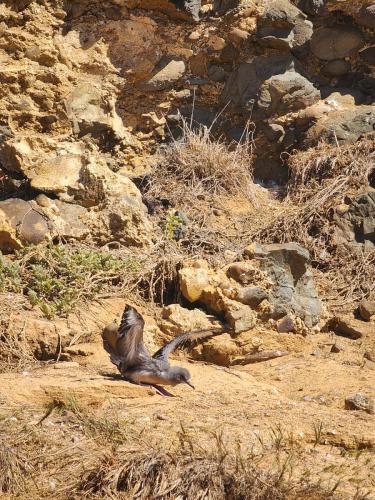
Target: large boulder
269 85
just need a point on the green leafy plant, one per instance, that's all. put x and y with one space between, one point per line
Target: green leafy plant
57 276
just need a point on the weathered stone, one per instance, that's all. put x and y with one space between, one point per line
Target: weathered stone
313 7
168 71
367 309
337 67
283 26
366 16
194 280
177 320
222 6
269 85
239 316
338 347
21 223
348 327
293 285
91 114
343 126
357 224
335 43
286 325
360 402
252 296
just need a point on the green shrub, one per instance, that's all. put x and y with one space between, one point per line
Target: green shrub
56 277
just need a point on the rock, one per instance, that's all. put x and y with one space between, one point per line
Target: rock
357 224
348 327
360 402
345 125
194 279
368 55
251 296
335 43
367 309
91 114
283 26
293 289
366 16
313 7
167 72
269 85
286 325
240 317
222 6
338 347
370 354
177 320
219 350
337 67
21 223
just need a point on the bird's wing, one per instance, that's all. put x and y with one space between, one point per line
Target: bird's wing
165 351
109 335
129 347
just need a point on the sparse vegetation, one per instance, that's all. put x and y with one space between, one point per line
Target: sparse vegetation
55 277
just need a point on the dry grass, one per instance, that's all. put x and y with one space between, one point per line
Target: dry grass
76 457
320 179
203 164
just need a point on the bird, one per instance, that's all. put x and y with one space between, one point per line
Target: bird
128 352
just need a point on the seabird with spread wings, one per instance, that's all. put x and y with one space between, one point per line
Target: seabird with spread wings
128 352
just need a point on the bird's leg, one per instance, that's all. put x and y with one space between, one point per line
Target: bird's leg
162 391
159 390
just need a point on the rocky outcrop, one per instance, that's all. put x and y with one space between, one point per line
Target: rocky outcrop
271 283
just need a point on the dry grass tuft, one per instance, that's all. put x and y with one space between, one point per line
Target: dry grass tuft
206 165
320 179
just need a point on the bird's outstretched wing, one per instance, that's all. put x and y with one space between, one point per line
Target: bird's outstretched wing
130 346
165 351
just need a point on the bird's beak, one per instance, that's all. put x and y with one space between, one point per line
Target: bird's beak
189 383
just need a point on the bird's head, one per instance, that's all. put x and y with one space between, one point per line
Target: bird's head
179 375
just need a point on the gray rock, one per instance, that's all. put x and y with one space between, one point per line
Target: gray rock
286 325
337 67
368 56
222 6
293 291
367 309
343 126
192 7
357 224
283 26
269 85
168 71
252 296
336 43
313 7
359 402
366 16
